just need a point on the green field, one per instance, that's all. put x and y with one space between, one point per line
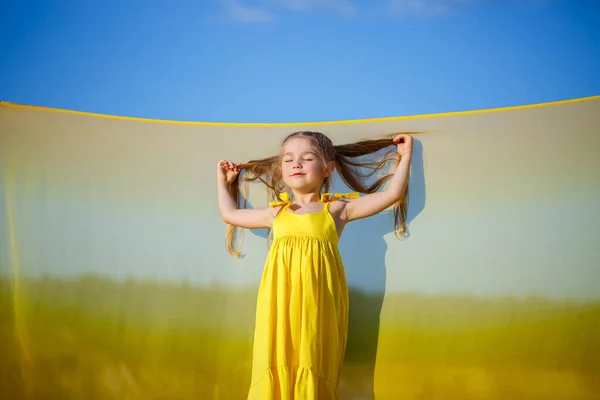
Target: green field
93 338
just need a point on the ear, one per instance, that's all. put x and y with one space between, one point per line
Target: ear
330 166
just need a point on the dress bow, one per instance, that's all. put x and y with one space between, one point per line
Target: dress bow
285 200
329 197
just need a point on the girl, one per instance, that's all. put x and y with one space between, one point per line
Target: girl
302 309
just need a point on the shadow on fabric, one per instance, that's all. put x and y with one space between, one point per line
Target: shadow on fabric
363 248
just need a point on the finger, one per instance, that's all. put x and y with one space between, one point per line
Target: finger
398 138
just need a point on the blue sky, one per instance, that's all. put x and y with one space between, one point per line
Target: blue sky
296 60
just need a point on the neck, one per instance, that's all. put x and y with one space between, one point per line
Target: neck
305 198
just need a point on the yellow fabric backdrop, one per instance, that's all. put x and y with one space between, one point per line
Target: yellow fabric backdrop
115 282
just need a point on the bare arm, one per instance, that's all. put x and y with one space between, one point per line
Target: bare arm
374 203
230 213
245 218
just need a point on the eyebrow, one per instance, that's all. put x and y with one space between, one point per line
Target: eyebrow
306 152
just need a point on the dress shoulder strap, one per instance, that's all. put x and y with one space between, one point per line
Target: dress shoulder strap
284 202
329 197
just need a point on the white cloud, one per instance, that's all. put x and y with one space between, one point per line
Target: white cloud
426 7
261 11
351 7
239 11
342 7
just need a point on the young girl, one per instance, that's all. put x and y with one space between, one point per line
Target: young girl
302 308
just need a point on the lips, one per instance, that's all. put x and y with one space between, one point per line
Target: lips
297 174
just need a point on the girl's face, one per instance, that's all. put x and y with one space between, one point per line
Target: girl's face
301 166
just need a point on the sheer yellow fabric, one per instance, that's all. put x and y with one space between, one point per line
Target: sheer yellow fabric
115 283
302 308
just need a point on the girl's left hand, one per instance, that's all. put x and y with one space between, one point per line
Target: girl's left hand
405 144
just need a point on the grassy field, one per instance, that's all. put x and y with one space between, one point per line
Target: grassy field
93 338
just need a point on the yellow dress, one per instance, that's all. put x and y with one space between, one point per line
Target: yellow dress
302 309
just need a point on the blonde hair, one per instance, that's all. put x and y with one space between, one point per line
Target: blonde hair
347 158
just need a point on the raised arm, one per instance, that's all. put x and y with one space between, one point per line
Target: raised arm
231 214
374 203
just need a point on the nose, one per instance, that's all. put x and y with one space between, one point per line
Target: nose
297 165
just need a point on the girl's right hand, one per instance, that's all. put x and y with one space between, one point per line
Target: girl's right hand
227 171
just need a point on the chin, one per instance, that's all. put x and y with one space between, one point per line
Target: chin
291 185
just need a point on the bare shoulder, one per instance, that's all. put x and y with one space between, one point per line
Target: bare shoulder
274 211
337 208
269 213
